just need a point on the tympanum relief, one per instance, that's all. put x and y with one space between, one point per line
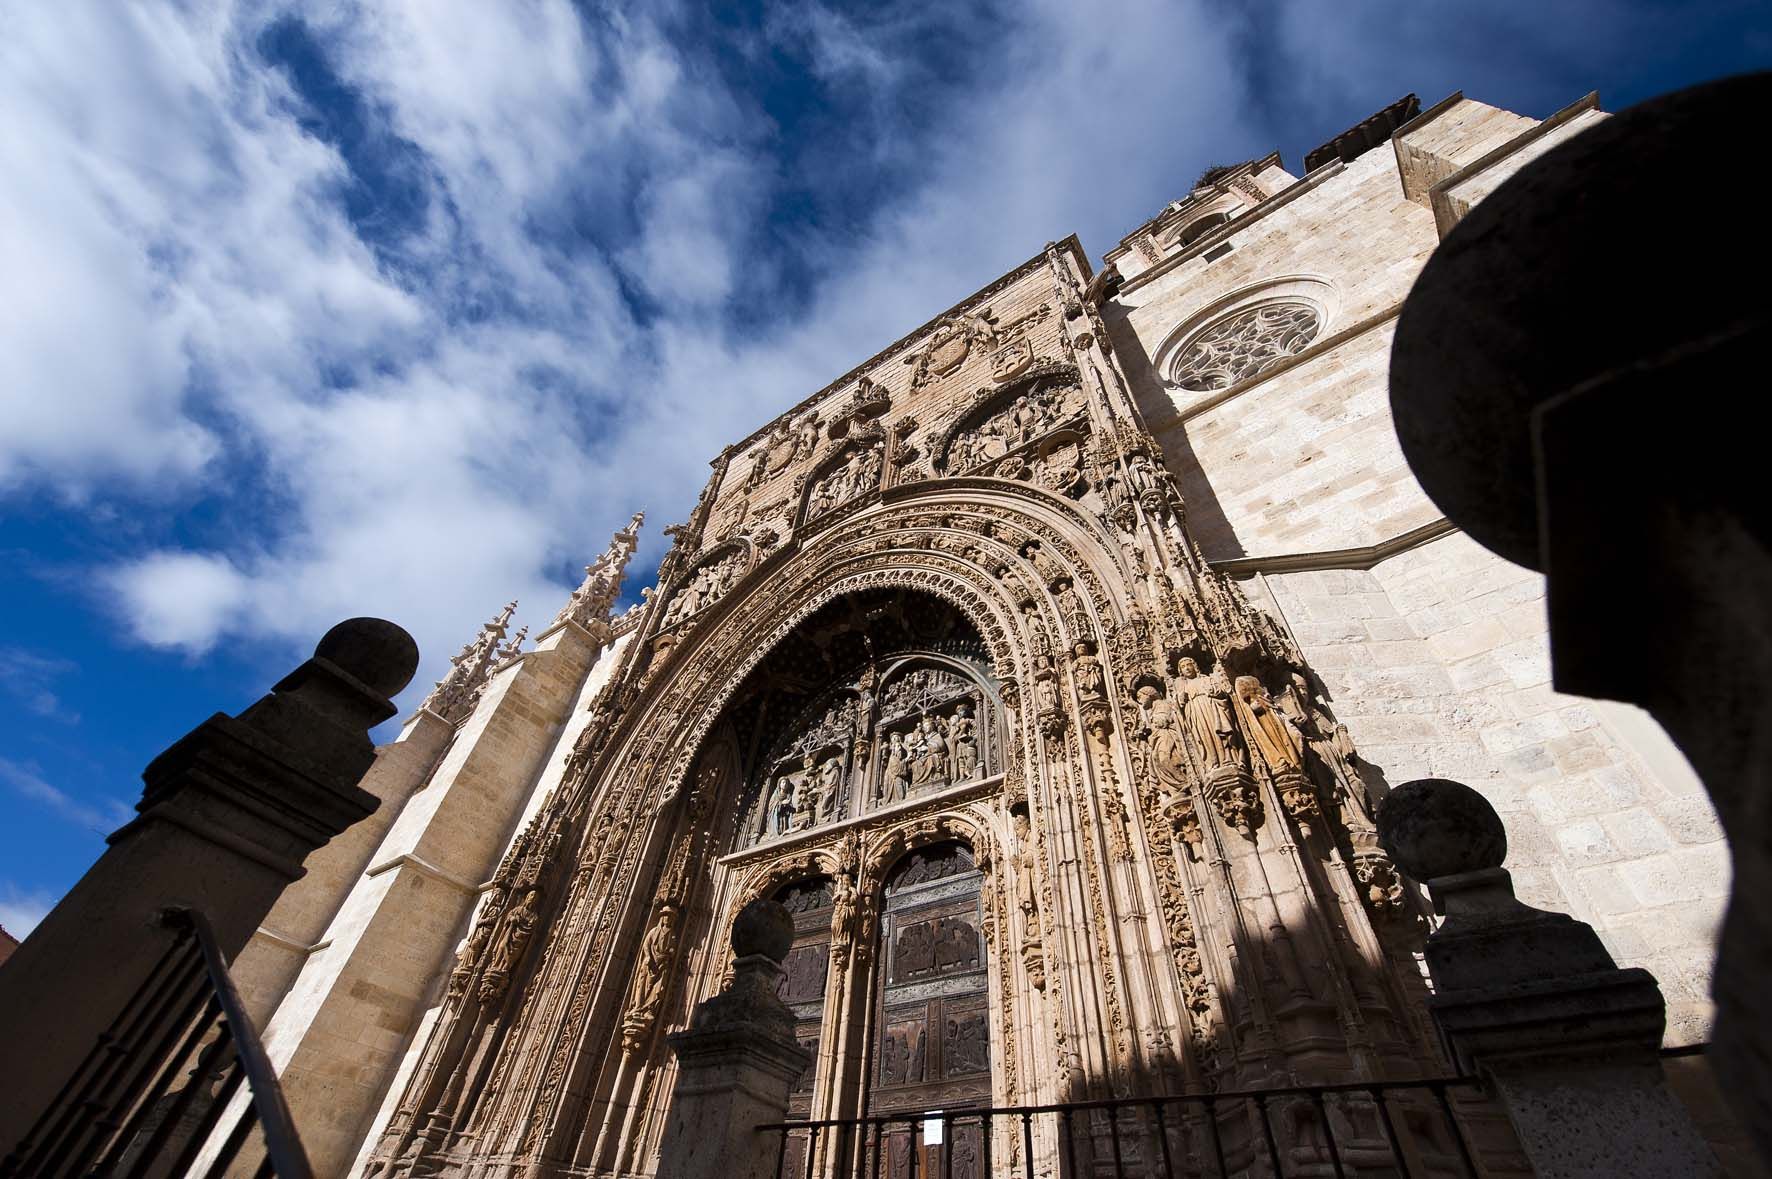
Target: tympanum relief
883 736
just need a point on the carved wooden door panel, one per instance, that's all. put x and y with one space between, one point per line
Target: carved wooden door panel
932 1047
802 989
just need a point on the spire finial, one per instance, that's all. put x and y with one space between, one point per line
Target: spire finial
591 602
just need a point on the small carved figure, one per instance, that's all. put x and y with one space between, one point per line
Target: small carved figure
784 804
830 783
963 742
842 910
1087 669
653 968
1269 734
931 766
514 934
1163 729
1206 714
897 780
1024 870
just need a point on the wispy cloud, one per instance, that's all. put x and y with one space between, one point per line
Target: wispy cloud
29 680
21 909
102 817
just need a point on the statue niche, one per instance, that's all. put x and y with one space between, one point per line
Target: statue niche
876 700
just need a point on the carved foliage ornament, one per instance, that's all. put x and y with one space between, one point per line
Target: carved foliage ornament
1246 343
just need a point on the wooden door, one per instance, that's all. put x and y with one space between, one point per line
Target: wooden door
932 1047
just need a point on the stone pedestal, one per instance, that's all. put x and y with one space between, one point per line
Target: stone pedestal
1532 1001
228 815
737 1062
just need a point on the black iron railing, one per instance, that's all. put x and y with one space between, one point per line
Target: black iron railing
1365 1128
148 1097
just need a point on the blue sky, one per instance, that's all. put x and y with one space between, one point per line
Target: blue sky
314 310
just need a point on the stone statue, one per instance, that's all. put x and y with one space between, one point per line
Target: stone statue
1269 734
830 784
514 935
931 765
842 910
1025 892
963 742
897 779
653 968
779 810
1206 715
1087 669
476 944
1163 729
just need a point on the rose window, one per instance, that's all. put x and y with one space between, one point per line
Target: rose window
1246 344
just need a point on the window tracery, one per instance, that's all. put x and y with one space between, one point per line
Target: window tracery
1245 344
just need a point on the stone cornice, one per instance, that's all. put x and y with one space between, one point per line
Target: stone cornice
1363 557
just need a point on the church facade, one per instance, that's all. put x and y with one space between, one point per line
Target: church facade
1048 667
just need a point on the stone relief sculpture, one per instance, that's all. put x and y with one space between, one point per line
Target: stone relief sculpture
857 474
652 973
1246 344
706 584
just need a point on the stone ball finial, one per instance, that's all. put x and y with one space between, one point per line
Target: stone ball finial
763 927
374 650
1435 827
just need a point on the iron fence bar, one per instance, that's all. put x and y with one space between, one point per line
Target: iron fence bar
811 1151
1068 1131
101 1056
1163 1139
1390 1130
844 1142
1217 1142
916 1134
1329 1134
71 1127
879 1126
281 1140
134 1071
781 1154
1027 1144
1267 1133
1464 1151
987 1130
205 1062
1114 1137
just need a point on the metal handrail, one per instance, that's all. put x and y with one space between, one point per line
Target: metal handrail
287 1157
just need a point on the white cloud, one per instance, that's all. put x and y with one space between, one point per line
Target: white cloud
21 909
184 283
103 818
